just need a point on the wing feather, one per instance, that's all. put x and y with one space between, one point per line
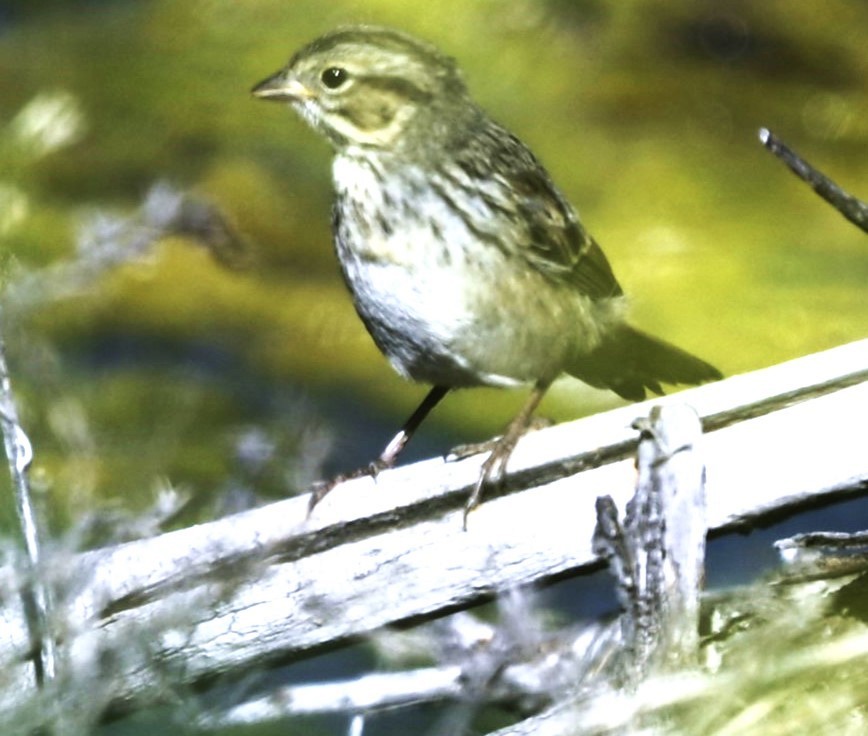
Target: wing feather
531 217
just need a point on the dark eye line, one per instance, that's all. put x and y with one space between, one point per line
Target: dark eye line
334 77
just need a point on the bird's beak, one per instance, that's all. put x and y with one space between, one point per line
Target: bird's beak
281 88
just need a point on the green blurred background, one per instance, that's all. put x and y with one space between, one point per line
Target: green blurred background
234 383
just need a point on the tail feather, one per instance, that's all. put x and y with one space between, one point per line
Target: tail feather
630 361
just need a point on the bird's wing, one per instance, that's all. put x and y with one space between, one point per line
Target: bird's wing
524 206
557 243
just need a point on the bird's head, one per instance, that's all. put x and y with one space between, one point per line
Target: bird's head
370 87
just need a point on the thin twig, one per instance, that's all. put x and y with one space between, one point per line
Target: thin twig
35 593
368 692
852 208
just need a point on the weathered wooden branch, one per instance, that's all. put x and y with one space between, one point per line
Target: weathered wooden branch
271 584
657 553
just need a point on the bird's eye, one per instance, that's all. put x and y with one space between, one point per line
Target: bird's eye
334 77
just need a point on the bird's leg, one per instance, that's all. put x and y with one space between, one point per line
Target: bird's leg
391 452
494 467
399 441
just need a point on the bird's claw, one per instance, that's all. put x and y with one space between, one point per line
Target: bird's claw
322 488
492 473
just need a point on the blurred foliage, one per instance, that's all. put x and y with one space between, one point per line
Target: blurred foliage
645 112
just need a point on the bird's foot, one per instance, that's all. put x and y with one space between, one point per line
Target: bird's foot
499 449
322 488
460 452
493 470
